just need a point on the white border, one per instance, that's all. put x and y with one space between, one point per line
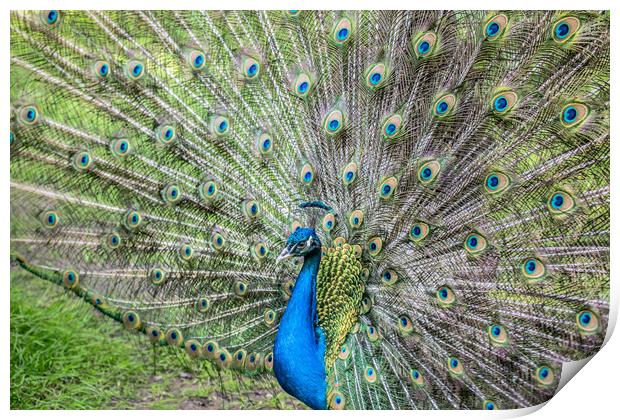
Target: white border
591 394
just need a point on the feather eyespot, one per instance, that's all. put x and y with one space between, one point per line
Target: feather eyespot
302 85
533 269
268 361
154 334
416 377
238 358
389 277
251 209
387 187
544 375
498 335
208 190
250 67
455 367
131 320
101 69
372 333
405 325
134 69
82 161
489 405
220 125
445 296
356 219
49 219
186 252
444 105
171 194
337 401
428 172
391 127
573 114
50 18
565 29
113 240
495 27
240 288
165 134
264 144
210 349
376 76
370 374
588 322
504 102
342 31
157 276
306 174
349 173
202 305
374 245
328 223
174 337
193 348
217 241
333 123
344 352
475 244
120 148
28 115
560 202
196 60
70 279
418 231
425 44
496 182
269 316
132 220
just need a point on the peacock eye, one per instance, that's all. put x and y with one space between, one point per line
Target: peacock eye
349 173
120 147
333 122
533 269
418 231
391 126
82 161
101 69
196 60
306 174
495 27
264 144
496 182
444 105
134 69
428 172
376 75
342 31
565 29
50 18
28 115
573 114
220 125
560 202
302 85
544 375
475 243
588 322
165 134
425 44
250 67
387 187
504 102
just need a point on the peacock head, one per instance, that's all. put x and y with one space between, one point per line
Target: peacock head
300 243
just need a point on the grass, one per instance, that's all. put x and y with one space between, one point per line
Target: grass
65 355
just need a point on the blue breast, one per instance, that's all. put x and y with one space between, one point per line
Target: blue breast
300 346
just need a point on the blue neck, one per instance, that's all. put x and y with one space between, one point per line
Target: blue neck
300 346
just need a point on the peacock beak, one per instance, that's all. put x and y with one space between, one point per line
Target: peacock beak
286 253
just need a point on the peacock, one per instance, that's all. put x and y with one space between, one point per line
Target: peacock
382 209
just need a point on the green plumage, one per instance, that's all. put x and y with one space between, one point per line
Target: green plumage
158 160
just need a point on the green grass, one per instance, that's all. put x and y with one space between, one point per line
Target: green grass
64 355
